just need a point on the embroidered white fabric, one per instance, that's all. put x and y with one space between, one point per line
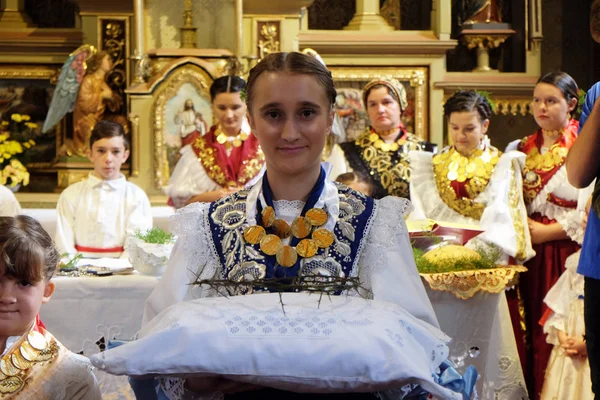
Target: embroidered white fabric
497 220
391 347
73 378
385 263
561 297
559 185
482 336
188 178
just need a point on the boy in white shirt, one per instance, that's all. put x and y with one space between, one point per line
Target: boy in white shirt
9 205
96 216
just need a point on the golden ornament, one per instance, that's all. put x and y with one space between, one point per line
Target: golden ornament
7 367
11 384
254 234
316 216
37 340
323 237
28 352
282 228
301 227
287 256
307 248
270 244
19 362
268 216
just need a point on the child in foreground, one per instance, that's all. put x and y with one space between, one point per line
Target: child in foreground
34 364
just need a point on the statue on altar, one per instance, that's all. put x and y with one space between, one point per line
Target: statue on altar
82 89
479 11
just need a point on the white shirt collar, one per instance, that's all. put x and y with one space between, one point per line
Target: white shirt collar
93 181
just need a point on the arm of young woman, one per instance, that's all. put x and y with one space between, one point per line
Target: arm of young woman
541 233
583 161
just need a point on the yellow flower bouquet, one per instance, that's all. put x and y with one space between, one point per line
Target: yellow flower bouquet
15 140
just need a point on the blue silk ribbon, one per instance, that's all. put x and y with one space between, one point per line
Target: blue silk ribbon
451 379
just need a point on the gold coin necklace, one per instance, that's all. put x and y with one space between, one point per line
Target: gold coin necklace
378 143
307 230
307 233
229 141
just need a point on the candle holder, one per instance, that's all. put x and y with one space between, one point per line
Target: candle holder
484 37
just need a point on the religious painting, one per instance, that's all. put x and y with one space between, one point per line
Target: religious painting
182 112
349 82
25 94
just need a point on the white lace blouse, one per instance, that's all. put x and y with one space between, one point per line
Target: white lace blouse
386 266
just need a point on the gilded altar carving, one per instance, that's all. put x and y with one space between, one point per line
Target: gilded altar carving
269 34
113 33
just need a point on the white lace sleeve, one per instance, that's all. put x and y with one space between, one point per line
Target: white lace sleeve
192 258
72 379
188 178
387 266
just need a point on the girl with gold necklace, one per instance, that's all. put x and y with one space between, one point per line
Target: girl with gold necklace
553 205
381 153
293 221
473 183
225 159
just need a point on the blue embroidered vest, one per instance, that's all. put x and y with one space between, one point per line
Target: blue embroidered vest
241 261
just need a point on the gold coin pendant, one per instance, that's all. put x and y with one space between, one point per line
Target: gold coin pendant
287 256
307 248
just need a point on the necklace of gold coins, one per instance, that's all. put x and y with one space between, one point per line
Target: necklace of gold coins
547 161
228 141
457 167
308 228
15 366
378 143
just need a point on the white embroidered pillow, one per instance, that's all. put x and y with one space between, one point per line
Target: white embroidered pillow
319 344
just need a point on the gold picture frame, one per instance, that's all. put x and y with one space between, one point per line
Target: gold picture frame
186 82
32 87
349 82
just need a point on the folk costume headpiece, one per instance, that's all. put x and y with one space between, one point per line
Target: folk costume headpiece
393 85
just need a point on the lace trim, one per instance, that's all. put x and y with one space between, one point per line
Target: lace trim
288 207
465 284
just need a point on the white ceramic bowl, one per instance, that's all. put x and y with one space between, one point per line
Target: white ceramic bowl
149 258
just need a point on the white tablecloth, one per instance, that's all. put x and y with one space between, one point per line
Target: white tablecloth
482 336
83 310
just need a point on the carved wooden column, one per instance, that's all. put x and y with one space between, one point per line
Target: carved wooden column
368 18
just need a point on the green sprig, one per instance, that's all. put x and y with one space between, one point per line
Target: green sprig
155 235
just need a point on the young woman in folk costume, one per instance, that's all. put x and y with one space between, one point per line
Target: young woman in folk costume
381 152
472 182
552 204
225 159
290 99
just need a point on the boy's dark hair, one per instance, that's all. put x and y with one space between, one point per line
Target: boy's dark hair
351 177
108 129
26 250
